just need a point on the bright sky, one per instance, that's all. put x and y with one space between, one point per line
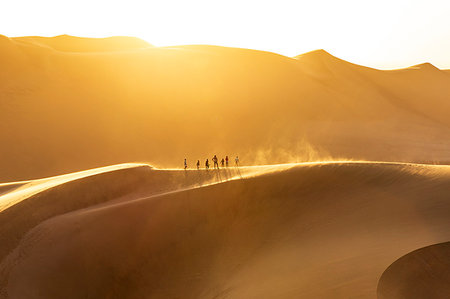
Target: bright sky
378 33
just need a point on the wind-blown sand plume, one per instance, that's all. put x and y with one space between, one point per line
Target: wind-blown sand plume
64 96
423 273
319 230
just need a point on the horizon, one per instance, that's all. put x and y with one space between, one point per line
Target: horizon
384 35
419 63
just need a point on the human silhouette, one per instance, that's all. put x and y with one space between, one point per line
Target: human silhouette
207 164
185 164
216 163
237 161
198 164
222 163
226 161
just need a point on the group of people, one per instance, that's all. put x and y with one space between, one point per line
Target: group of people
224 162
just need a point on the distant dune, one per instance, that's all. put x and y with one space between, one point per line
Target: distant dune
317 230
67 43
69 103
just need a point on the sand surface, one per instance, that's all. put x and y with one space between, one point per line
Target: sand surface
312 230
423 273
344 192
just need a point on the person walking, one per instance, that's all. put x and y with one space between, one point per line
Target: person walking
185 164
198 164
226 161
237 161
216 162
222 163
207 164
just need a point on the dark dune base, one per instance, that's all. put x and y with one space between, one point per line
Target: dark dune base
423 273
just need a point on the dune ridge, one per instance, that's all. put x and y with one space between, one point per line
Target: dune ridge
278 232
26 189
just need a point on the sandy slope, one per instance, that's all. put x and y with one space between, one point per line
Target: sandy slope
320 230
69 104
19 191
423 273
45 198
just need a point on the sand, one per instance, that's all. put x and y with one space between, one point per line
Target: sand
313 230
423 273
344 192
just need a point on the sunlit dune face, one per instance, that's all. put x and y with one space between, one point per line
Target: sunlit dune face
115 100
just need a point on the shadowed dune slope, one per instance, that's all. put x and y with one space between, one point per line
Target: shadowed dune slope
109 99
423 273
26 204
307 231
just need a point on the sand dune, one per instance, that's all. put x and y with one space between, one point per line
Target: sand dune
423 273
283 229
26 189
64 96
45 198
7 187
317 230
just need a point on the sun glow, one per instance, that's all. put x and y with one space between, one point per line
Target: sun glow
383 34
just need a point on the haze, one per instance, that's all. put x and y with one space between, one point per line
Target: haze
382 34
134 166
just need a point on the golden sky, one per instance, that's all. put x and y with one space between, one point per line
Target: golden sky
383 33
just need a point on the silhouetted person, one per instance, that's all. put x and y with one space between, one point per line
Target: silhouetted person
237 161
198 164
216 162
226 161
222 162
207 164
185 164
